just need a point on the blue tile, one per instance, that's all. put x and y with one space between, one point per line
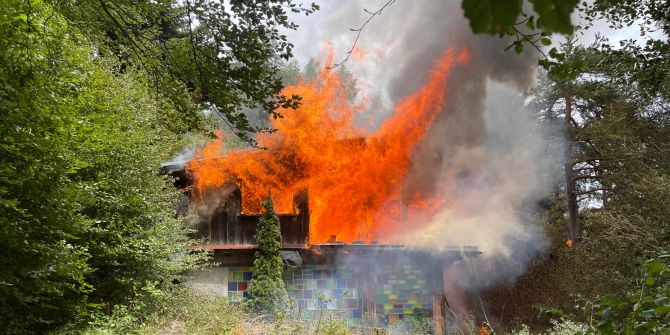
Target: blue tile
318 274
341 283
245 294
232 286
337 293
247 276
356 313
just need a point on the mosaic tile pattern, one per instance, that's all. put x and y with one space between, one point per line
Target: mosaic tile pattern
326 288
402 290
238 282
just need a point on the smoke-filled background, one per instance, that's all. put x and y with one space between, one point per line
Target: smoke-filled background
484 152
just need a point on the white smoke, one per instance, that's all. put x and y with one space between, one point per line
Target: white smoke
484 153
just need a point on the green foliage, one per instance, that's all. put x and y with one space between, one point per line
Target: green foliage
86 221
266 289
554 15
506 18
619 135
224 53
332 327
645 310
491 16
558 327
502 18
190 313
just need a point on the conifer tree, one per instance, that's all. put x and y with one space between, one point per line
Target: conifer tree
266 289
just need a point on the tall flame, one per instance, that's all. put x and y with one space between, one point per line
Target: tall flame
353 176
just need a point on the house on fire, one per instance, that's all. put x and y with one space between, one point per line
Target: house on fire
383 281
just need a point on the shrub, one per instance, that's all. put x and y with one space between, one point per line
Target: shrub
267 292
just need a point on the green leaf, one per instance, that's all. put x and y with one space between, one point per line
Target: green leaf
654 268
662 310
553 313
491 16
555 14
648 314
605 327
545 41
649 281
518 48
530 24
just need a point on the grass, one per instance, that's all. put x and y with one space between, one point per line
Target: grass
188 312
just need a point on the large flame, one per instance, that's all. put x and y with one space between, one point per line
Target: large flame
353 176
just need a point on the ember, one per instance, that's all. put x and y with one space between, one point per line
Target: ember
354 185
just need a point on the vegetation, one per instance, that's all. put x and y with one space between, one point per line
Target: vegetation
613 102
86 222
94 95
267 292
228 55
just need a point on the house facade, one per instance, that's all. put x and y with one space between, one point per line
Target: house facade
349 282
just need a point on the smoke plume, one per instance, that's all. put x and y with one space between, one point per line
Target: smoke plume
483 152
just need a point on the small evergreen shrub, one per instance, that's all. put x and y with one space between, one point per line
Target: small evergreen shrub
267 293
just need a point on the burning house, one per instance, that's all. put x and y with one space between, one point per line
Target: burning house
388 282
348 200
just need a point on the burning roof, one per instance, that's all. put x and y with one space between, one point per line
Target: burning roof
355 186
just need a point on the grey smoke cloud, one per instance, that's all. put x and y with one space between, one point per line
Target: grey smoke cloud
484 152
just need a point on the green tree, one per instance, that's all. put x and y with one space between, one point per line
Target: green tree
267 292
228 54
85 221
615 128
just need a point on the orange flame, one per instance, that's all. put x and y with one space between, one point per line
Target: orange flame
354 177
568 243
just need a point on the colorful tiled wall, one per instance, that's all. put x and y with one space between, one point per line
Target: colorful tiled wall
402 290
329 288
238 282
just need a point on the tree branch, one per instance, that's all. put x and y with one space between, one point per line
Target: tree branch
585 177
528 37
360 29
193 48
589 191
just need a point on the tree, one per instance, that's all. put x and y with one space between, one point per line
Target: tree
226 53
508 18
86 222
617 133
266 291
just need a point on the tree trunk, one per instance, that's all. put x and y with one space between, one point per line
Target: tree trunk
570 192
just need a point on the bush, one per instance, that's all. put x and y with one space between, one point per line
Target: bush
267 293
87 223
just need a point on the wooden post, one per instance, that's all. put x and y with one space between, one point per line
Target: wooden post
438 314
232 208
368 297
301 203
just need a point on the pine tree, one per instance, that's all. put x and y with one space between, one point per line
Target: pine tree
266 289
